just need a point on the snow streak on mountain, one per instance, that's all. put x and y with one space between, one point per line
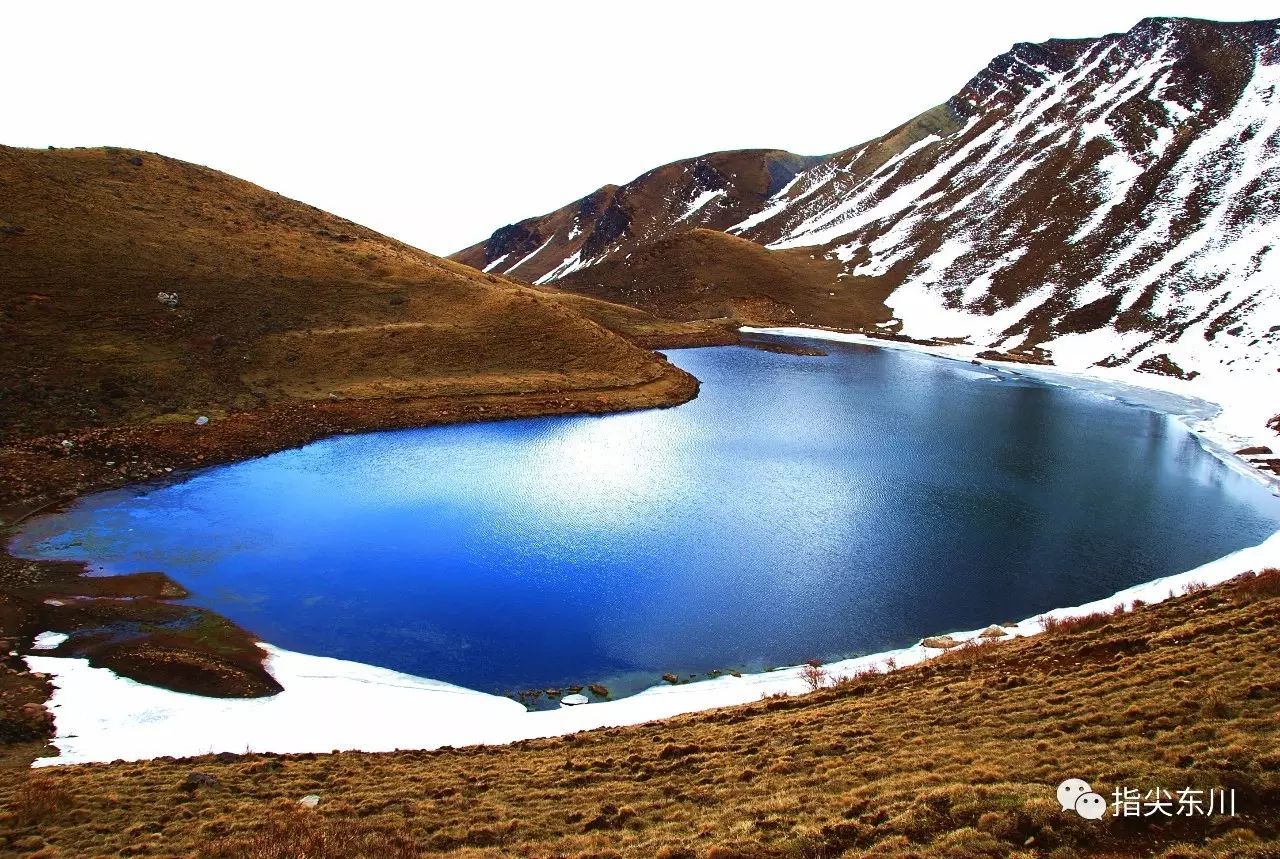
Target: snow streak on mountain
1117 197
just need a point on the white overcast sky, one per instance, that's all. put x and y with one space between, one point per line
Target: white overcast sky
437 124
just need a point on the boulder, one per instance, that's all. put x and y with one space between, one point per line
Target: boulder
992 631
1254 450
670 678
196 780
574 700
311 800
940 642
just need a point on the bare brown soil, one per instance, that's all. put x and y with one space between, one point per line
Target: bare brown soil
958 757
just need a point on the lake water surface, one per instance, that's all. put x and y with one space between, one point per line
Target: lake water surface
800 507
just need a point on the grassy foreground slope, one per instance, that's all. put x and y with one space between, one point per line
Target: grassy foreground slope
957 757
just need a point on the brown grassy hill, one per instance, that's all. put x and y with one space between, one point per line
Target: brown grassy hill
958 758
648 329
275 300
715 190
706 274
138 292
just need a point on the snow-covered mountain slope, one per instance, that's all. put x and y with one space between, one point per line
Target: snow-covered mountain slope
1105 202
1112 200
714 191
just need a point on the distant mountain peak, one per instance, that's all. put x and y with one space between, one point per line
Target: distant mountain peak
713 190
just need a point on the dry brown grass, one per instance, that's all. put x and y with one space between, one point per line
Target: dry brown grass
292 833
958 757
1079 623
704 275
290 323
277 300
38 801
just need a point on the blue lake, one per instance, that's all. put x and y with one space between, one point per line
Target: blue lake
800 507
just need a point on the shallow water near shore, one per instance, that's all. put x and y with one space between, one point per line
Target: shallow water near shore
800 507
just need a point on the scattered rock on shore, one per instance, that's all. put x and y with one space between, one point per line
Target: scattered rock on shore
992 631
36 715
940 642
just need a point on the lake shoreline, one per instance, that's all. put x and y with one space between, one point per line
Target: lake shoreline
43 475
1221 425
103 717
656 702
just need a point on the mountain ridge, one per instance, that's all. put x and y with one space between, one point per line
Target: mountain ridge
1103 202
716 189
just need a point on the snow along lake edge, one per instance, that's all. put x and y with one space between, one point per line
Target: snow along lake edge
1223 410
332 704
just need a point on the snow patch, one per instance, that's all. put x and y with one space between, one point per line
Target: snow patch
925 314
570 264
48 640
525 259
491 266
699 202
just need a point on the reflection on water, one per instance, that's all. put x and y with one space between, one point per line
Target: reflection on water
800 507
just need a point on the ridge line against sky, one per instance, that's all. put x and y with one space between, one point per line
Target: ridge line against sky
438 125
